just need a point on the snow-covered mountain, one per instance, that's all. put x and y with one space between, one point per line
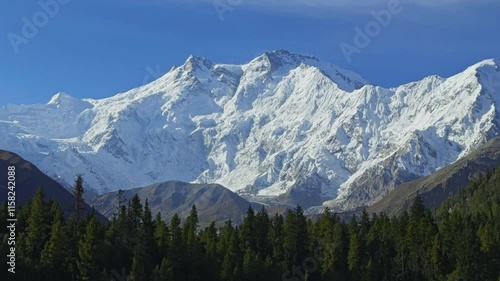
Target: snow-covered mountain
281 125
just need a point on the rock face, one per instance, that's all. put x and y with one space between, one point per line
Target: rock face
446 182
213 202
282 127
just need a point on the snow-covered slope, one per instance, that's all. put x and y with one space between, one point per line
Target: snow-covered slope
283 122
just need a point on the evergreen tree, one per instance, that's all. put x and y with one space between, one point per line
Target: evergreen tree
118 241
251 266
35 236
88 252
225 238
209 238
163 272
247 230
145 248
276 237
121 199
460 241
190 230
79 206
147 233
417 210
355 254
231 266
295 240
437 258
262 226
176 242
134 218
54 258
162 237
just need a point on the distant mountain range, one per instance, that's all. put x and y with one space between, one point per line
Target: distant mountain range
213 202
282 129
218 204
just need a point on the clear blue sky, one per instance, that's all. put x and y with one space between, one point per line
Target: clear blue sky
96 49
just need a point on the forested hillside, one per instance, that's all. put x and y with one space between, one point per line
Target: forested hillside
460 241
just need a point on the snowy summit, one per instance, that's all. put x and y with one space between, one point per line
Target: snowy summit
282 124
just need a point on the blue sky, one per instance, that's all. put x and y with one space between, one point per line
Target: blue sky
95 49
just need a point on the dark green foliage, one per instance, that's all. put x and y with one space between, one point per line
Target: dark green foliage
78 191
460 241
88 252
145 247
55 254
295 240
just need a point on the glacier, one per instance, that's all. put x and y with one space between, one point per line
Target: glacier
281 128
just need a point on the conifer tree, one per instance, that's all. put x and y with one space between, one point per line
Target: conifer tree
189 228
79 205
231 266
176 242
138 271
437 258
262 226
417 210
225 238
411 246
148 230
250 266
36 234
163 272
162 237
88 252
55 256
276 236
210 239
295 240
145 248
247 230
134 216
354 255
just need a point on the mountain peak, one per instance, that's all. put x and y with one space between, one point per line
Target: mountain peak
61 98
280 58
264 128
487 72
287 55
488 62
493 63
194 63
64 100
